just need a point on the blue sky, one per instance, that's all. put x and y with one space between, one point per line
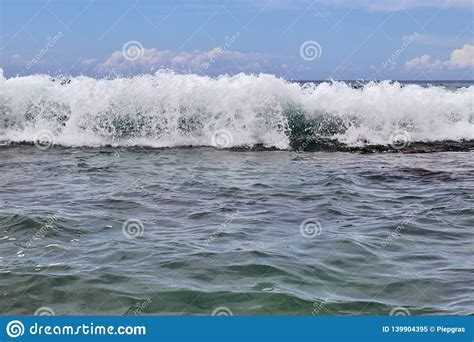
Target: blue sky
299 39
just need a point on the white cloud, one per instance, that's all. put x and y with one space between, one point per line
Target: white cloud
463 57
17 60
460 58
417 62
89 61
215 61
397 5
445 41
209 7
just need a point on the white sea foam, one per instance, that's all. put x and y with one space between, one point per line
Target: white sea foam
168 109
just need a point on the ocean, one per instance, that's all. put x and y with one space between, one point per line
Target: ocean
237 195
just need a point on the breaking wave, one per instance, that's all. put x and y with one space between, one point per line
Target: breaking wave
172 110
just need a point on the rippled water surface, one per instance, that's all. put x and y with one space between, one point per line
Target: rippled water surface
186 231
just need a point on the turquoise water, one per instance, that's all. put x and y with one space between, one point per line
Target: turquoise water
188 231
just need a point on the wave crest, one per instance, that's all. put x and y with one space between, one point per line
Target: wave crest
170 110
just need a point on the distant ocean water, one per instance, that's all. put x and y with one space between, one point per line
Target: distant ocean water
278 208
